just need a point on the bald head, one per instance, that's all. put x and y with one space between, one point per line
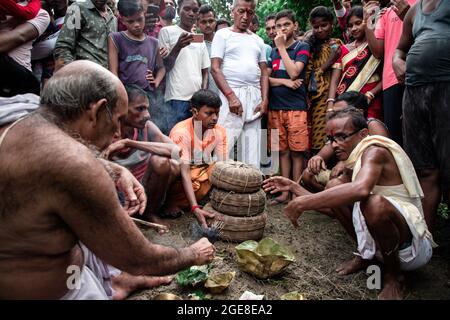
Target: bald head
77 85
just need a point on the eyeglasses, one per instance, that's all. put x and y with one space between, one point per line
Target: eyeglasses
341 137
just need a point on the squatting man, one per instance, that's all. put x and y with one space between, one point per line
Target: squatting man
377 200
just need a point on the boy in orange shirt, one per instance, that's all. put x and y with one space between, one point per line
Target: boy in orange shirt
202 142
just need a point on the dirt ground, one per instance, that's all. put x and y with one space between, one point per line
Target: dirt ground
320 245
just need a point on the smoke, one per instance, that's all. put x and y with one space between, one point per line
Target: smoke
197 232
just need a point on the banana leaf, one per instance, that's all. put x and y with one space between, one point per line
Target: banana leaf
264 259
193 276
219 282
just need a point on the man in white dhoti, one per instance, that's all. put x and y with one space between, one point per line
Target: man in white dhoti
238 66
378 201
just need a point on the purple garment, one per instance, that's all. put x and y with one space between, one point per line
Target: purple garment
135 58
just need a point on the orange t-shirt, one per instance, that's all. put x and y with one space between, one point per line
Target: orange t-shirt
213 146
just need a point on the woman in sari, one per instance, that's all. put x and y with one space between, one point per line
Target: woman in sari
357 69
318 71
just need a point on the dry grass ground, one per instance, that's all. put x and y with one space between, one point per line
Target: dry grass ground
320 245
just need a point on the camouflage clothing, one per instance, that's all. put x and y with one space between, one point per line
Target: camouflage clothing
85 34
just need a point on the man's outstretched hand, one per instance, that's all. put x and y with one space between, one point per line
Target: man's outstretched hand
277 184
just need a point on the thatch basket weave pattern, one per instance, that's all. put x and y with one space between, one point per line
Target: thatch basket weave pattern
238 204
236 176
238 229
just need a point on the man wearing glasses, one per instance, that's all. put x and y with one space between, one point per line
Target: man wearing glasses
379 205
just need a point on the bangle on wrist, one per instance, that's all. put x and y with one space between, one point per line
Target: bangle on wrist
330 100
195 207
228 94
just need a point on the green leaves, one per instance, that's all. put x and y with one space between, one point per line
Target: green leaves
222 8
302 8
193 276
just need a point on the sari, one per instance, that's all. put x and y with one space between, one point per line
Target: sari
360 73
318 98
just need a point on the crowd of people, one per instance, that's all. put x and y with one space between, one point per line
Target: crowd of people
110 109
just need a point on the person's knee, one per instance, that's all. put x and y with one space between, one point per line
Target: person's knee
375 210
175 169
160 165
296 154
284 153
307 178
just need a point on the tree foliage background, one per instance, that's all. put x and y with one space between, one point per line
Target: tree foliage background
302 8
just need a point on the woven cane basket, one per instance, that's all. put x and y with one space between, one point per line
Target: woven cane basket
236 176
238 204
238 229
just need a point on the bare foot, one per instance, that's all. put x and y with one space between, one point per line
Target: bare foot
283 198
392 288
125 283
351 266
155 219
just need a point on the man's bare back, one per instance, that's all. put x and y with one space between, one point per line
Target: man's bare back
36 246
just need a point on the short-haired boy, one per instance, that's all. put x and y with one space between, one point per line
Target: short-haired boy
288 110
132 55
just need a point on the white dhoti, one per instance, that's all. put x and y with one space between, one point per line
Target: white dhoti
406 198
95 282
246 127
414 256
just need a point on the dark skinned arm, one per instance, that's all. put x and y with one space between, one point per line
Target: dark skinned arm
262 107
184 40
334 82
90 208
373 161
405 43
113 57
233 101
376 45
205 75
186 179
18 36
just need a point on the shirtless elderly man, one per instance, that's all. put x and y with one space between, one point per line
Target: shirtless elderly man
387 217
59 207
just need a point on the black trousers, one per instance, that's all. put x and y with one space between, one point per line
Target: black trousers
16 79
392 109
